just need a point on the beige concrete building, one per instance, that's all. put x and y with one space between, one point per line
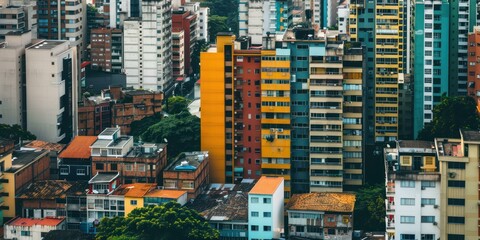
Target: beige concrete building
51 85
459 192
12 101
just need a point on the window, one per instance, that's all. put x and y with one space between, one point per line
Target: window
113 166
455 183
407 184
133 202
455 237
456 165
128 167
428 236
407 236
254 214
428 184
267 228
428 219
456 202
407 219
267 214
64 171
254 227
254 200
407 201
99 166
459 220
188 185
141 167
25 233
267 200
81 172
428 201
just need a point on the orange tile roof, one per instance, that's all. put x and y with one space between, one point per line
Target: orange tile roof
162 193
326 202
266 185
38 144
135 189
28 222
79 147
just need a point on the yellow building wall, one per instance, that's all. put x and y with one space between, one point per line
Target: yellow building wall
129 207
10 199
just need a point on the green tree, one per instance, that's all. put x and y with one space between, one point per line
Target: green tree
140 126
164 222
15 132
224 8
182 132
216 24
177 104
369 212
450 115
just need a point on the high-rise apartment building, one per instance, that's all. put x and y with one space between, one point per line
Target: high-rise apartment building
187 21
65 20
18 16
459 195
473 85
178 54
106 49
51 85
430 58
322 13
463 17
147 46
257 18
293 110
380 25
12 78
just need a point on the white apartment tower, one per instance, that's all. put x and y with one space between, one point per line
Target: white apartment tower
12 78
148 47
51 85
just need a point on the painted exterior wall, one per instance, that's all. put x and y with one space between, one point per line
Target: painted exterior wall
132 203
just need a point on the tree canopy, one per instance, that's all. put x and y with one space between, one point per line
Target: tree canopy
450 115
140 126
369 212
164 222
216 24
177 104
182 132
15 132
223 13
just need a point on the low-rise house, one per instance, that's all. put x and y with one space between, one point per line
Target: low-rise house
189 172
25 168
225 207
75 160
48 198
32 229
266 208
136 162
321 216
54 148
6 149
161 196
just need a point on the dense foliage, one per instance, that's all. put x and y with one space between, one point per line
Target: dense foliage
369 212
140 126
164 222
176 105
15 132
182 131
223 17
450 115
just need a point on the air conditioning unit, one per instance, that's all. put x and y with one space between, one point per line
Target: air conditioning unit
423 188
423 205
435 206
435 223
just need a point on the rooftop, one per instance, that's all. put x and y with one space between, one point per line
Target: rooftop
109 131
470 136
137 190
415 144
267 185
52 189
79 147
325 202
139 92
22 158
188 161
47 44
164 193
38 144
29 222
224 202
104 177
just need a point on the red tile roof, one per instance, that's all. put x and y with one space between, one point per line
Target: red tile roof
79 147
28 222
38 144
163 193
136 190
266 185
325 202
